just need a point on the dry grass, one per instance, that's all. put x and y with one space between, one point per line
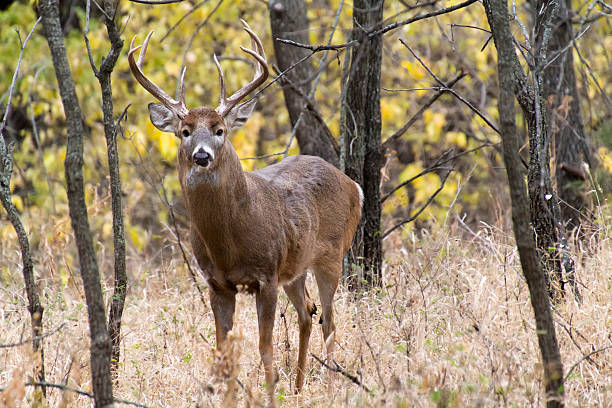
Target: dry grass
452 326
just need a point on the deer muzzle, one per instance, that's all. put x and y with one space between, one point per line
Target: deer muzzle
201 157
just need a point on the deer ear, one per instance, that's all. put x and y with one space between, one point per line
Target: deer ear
239 114
163 118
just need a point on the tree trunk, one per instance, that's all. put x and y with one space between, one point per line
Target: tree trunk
571 143
100 348
7 144
497 14
34 306
288 20
362 143
110 132
545 212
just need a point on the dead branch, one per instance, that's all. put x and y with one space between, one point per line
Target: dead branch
35 338
372 32
338 369
65 387
194 8
585 357
153 2
436 166
452 91
417 115
415 215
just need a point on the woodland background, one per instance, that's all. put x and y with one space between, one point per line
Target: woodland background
451 325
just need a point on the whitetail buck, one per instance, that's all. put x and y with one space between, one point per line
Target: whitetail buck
261 229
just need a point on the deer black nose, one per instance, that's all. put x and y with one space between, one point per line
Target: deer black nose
201 157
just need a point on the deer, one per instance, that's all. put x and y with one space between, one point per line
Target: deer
260 230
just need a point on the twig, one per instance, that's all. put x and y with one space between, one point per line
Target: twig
373 32
585 357
436 166
418 114
164 198
194 8
64 387
563 50
309 106
415 215
338 369
156 2
85 35
35 338
450 90
11 89
190 42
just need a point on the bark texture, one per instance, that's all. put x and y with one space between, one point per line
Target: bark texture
497 14
288 20
110 132
545 212
100 348
571 143
7 145
34 306
362 142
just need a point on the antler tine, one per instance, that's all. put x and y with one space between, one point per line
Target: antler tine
222 99
261 74
181 88
255 43
178 107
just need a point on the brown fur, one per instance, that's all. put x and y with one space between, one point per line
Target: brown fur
261 229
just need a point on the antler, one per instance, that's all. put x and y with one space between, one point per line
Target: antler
178 107
261 74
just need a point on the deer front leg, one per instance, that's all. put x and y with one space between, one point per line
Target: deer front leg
266 309
222 303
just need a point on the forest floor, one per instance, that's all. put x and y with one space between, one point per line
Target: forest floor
451 326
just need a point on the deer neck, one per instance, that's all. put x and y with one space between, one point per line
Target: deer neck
216 198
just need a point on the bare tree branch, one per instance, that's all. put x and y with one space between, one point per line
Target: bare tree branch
338 369
585 357
194 8
423 207
65 387
190 41
6 169
451 91
376 32
153 2
436 166
441 90
35 338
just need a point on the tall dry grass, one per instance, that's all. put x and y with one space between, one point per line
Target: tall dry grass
452 326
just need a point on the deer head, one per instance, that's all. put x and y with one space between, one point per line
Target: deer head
203 131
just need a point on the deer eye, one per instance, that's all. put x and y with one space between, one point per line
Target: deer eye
219 132
185 133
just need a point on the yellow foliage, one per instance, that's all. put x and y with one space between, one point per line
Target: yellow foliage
415 70
167 144
457 138
137 236
606 158
434 121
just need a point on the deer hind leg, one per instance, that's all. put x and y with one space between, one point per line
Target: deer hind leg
327 276
266 309
296 292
